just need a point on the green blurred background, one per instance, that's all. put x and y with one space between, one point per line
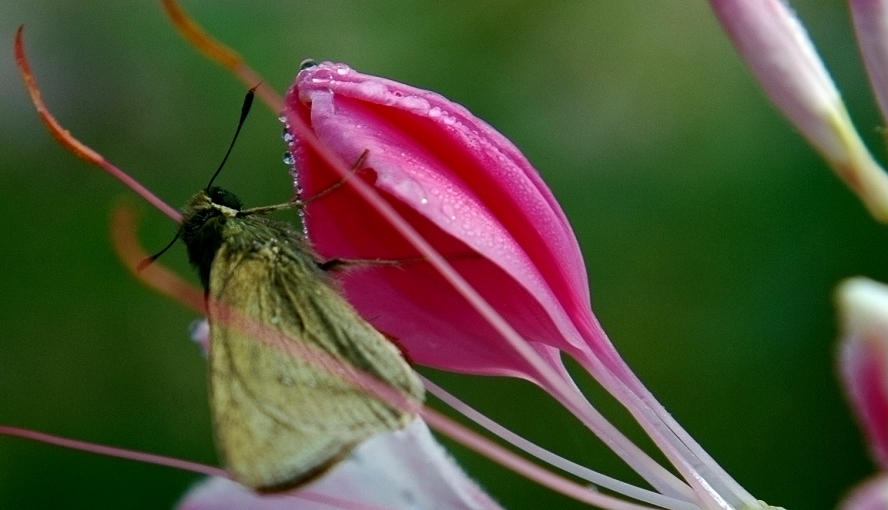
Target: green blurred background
713 235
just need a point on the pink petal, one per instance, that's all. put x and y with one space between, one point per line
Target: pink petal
469 192
777 49
871 25
863 358
405 469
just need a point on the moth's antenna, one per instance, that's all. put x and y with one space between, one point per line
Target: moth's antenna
150 260
245 109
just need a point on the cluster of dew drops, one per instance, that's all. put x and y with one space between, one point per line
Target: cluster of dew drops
290 161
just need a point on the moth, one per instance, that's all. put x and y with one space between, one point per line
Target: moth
282 420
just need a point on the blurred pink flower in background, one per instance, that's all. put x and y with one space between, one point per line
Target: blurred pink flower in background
783 58
863 366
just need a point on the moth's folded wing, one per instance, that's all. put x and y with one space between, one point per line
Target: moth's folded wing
282 419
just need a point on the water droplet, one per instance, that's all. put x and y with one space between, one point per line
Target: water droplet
342 70
449 120
322 75
307 63
372 89
289 160
286 135
415 103
435 112
448 211
282 118
424 201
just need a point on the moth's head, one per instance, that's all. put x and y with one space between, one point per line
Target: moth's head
211 202
225 198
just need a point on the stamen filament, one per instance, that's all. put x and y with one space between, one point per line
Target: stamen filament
556 460
74 145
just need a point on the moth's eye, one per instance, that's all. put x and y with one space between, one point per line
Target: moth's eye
220 196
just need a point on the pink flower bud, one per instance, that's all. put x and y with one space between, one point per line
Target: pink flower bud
468 191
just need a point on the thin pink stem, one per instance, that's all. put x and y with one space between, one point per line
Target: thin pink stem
161 460
112 451
692 469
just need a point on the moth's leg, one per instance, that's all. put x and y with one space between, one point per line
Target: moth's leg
341 264
293 204
338 184
297 203
400 346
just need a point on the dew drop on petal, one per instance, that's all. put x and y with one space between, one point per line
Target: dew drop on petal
289 160
434 112
416 104
342 69
287 135
373 89
448 211
322 75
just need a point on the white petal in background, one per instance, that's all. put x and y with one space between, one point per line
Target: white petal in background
405 469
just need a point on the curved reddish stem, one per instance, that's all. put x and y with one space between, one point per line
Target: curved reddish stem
74 145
